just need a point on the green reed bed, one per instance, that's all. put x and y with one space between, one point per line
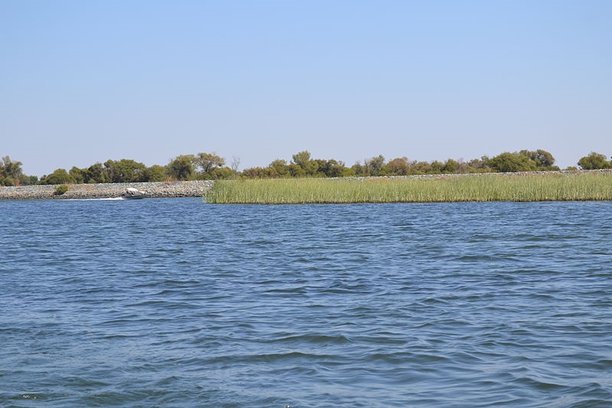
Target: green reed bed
482 187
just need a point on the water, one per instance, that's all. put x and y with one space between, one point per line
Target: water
176 303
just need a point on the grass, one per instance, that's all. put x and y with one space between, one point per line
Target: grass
482 187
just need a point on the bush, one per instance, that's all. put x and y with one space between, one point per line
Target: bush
59 176
60 190
594 161
512 162
181 167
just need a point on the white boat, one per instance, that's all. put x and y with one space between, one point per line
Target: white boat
133 193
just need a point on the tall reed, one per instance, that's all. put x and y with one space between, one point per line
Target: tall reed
482 187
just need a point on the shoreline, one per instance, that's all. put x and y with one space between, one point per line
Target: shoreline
173 189
199 188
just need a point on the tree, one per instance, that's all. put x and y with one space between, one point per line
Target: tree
479 165
182 167
358 169
279 168
96 173
420 167
375 165
77 174
235 163
125 171
398 166
594 161
451 166
207 162
331 168
302 160
155 173
10 172
11 168
257 172
28 180
436 167
511 162
544 160
59 176
295 170
220 173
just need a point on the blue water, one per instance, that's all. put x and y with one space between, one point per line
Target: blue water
176 303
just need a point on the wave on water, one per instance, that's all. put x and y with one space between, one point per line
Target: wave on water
178 303
97 199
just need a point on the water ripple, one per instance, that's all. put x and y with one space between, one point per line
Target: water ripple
176 303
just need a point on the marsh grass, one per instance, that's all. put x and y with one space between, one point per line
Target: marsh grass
483 187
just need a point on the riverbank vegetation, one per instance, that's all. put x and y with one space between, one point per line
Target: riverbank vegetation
442 188
210 166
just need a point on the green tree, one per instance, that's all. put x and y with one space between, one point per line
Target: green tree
303 161
28 180
279 168
479 165
10 172
420 167
155 173
301 158
375 166
77 174
331 168
257 172
221 173
511 162
296 170
96 173
125 171
358 169
5 181
11 168
59 176
207 162
436 167
594 161
182 167
451 166
398 166
544 160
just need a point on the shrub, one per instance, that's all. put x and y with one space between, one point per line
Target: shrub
59 176
594 161
60 190
511 162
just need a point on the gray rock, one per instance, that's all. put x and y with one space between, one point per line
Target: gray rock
107 190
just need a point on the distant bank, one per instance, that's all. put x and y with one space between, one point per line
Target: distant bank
103 190
525 186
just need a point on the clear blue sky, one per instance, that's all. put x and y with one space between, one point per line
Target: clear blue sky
86 81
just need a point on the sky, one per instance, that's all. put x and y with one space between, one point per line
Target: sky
87 81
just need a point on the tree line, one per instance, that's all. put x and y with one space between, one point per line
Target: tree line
210 166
